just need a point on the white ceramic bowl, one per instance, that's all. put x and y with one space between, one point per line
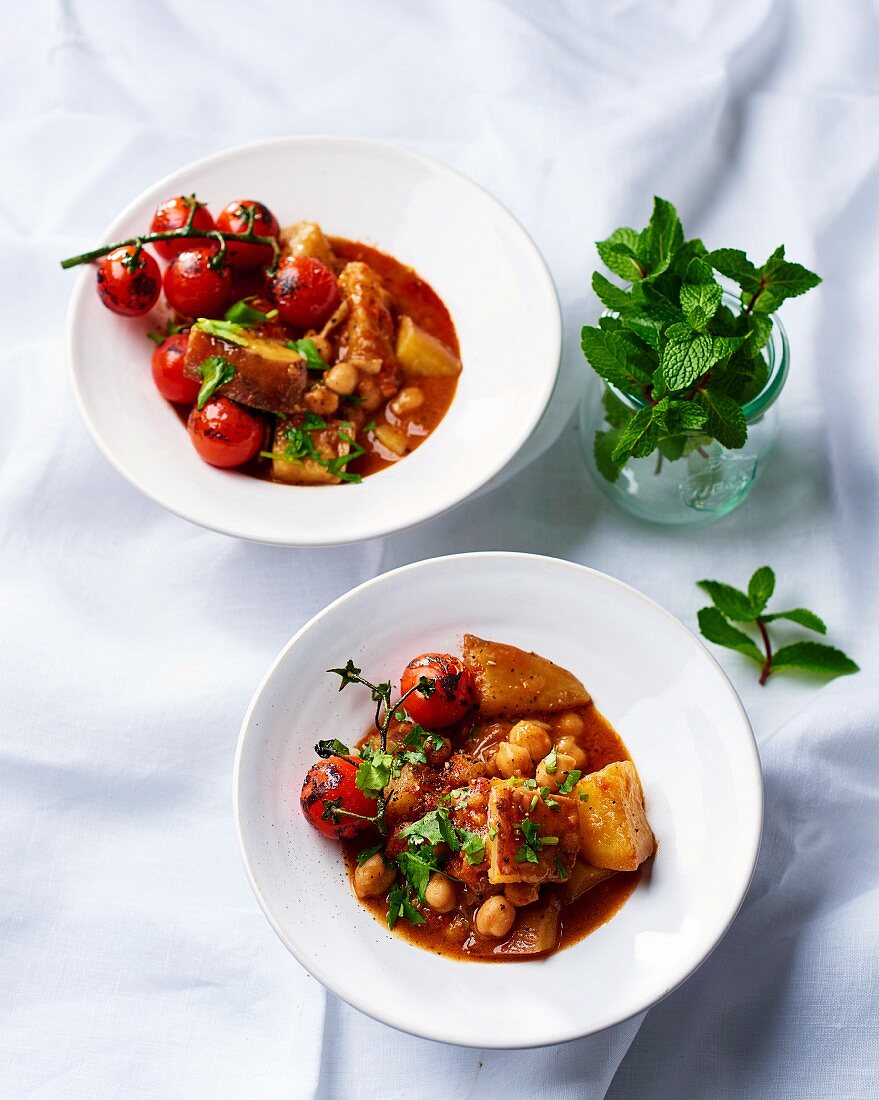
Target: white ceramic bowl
668 698
456 236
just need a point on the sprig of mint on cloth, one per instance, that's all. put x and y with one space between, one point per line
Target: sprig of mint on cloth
689 361
731 605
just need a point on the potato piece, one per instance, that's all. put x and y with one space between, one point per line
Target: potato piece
307 239
614 832
268 375
583 877
307 470
514 812
512 683
392 439
422 355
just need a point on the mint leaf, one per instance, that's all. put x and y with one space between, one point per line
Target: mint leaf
603 450
726 421
664 235
802 617
215 371
716 629
780 279
676 416
733 603
684 361
814 657
699 302
733 263
612 296
638 438
760 588
648 327
619 254
615 412
616 359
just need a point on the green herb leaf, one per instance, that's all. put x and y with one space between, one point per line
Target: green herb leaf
685 361
733 263
699 303
374 773
676 416
616 359
242 313
612 296
350 674
716 629
603 448
814 657
760 588
726 421
368 853
802 617
619 254
780 279
731 602
224 330
417 867
638 438
473 847
308 350
664 235
570 782
332 747
215 371
400 907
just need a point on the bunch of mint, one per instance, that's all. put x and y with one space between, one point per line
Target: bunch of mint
671 344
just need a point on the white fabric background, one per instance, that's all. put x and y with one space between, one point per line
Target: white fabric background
134 961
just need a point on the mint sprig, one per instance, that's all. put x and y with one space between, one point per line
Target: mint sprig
673 346
731 605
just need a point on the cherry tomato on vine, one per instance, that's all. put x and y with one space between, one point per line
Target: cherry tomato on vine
197 283
168 359
452 696
306 291
174 214
234 218
329 787
224 434
129 281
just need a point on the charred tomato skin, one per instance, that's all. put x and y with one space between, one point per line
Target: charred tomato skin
196 284
224 434
173 214
453 694
167 366
330 784
306 292
129 281
233 219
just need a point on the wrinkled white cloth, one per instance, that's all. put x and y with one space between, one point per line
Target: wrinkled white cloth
134 961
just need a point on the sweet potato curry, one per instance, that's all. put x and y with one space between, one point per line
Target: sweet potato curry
490 812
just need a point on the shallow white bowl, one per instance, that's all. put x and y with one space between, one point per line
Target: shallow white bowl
668 698
456 236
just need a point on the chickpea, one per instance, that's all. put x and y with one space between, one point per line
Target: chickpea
568 746
373 877
409 398
520 893
569 724
370 394
321 401
440 894
495 917
532 736
342 378
513 760
553 780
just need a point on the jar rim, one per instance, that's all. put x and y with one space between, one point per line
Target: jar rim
776 352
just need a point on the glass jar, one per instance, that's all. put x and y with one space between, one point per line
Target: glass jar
709 482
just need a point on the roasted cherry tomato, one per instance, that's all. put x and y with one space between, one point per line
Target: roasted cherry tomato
129 281
174 214
329 787
224 434
234 218
452 696
306 291
168 374
198 283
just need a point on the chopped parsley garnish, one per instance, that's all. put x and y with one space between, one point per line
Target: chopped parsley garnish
368 853
229 331
561 870
308 350
417 741
215 371
243 314
530 850
570 782
399 905
299 445
584 797
473 847
551 760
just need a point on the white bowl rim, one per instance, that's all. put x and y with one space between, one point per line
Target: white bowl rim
463 1039
505 454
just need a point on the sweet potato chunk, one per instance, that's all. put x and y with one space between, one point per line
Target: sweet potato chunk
530 839
328 443
268 375
614 832
510 682
422 355
307 239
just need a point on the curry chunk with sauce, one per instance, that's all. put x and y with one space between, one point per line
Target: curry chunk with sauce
491 812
